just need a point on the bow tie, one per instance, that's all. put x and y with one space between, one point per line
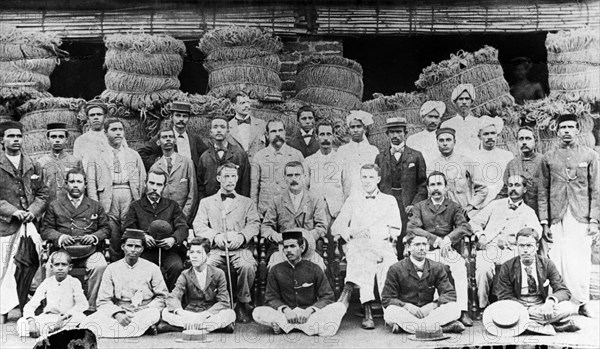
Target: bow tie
225 196
513 206
419 269
396 150
370 197
307 135
243 121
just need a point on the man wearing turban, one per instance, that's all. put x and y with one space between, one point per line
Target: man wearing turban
465 124
431 113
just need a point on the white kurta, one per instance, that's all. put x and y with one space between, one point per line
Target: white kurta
493 164
467 131
356 155
426 143
89 143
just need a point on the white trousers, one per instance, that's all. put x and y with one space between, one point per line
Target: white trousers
324 322
442 315
45 322
8 250
485 269
458 268
184 318
105 326
368 262
572 254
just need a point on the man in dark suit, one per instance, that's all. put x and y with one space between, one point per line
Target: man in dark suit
152 207
203 290
526 278
305 139
403 172
188 144
409 289
73 219
23 197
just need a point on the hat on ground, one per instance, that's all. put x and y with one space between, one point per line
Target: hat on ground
363 116
181 107
428 333
505 318
160 229
443 130
133 234
458 90
430 106
395 123
566 117
9 125
486 121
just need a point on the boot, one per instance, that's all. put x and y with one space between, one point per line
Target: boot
453 327
368 323
346 294
568 326
465 319
164 327
396 329
243 313
585 310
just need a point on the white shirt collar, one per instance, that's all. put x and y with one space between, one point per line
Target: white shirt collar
177 134
417 263
436 202
306 133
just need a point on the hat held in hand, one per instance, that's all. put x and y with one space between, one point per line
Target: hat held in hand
160 229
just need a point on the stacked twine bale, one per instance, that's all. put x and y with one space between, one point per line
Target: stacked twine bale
37 113
333 86
404 105
481 69
26 61
574 65
244 59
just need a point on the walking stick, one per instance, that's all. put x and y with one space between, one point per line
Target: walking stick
228 263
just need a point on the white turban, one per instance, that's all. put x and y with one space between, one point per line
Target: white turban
486 121
363 116
430 106
458 90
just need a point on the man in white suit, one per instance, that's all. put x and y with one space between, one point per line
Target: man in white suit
232 219
245 130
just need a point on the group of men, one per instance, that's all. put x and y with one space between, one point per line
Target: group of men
181 197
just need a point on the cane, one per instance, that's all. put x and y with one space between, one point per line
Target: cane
228 263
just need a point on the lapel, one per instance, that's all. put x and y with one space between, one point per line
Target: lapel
516 271
218 206
412 271
26 163
287 202
83 206
406 154
193 278
161 164
255 130
176 163
193 145
210 277
442 208
234 205
541 275
66 204
6 165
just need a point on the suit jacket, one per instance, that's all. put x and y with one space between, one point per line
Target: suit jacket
281 215
34 198
181 184
209 163
99 176
213 298
403 284
257 139
508 285
62 216
297 142
151 151
141 214
241 217
413 177
449 221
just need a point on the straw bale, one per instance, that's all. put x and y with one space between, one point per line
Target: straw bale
262 80
41 82
139 101
237 53
43 66
135 132
267 61
335 115
129 82
147 43
286 112
18 44
235 36
43 104
144 63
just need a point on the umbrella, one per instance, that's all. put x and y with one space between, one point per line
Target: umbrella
26 262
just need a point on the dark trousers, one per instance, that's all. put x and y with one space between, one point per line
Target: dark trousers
170 264
397 193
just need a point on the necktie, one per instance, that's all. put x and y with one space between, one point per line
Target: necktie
531 285
169 164
116 162
395 150
75 203
225 196
512 206
243 121
154 205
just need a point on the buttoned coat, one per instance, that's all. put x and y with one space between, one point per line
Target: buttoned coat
206 171
141 214
509 282
32 182
241 217
152 151
413 176
181 183
99 176
54 171
403 284
297 142
213 298
257 139
62 218
449 220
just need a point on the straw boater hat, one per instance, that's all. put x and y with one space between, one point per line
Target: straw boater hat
182 107
56 126
505 318
393 123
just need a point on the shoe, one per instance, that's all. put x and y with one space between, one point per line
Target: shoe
164 327
276 328
586 311
465 319
228 329
151 331
568 326
396 329
346 295
89 312
368 323
453 327
242 313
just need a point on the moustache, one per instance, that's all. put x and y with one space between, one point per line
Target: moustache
524 146
512 192
278 139
326 143
436 192
294 183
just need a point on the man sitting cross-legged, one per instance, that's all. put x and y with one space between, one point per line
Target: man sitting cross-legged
409 289
65 301
132 293
204 289
299 295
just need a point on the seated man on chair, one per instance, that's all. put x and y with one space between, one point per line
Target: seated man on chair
204 289
442 221
526 278
228 219
299 295
369 222
77 223
295 208
409 289
132 294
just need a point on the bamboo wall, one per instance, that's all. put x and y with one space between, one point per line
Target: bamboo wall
404 18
